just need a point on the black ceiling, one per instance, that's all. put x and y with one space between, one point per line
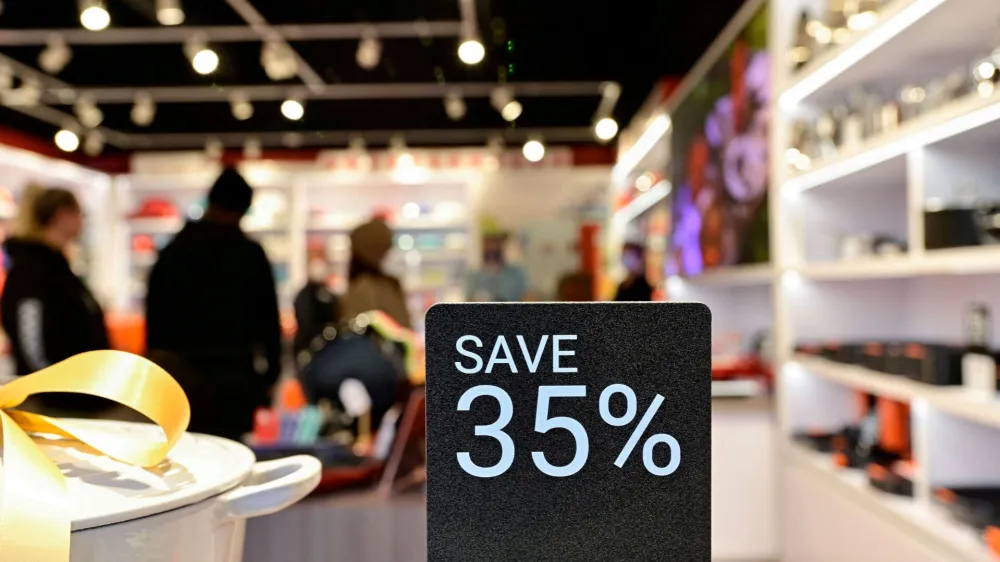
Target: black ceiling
632 42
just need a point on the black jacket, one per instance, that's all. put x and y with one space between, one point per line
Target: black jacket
49 315
211 307
315 308
635 289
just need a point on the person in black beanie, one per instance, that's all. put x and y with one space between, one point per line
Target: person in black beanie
212 316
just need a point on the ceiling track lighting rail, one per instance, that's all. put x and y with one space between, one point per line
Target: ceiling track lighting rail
231 34
209 94
272 36
421 137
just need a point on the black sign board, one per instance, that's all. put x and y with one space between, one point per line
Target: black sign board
569 432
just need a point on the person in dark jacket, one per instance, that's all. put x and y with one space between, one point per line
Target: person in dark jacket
212 315
48 312
635 287
315 308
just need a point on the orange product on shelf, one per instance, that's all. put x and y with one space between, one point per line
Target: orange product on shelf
155 207
992 538
143 243
288 324
291 397
127 332
894 422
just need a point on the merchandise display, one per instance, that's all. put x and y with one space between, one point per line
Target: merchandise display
886 193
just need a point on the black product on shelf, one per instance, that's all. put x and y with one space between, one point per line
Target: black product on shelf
977 507
935 364
956 227
831 351
873 356
822 442
892 357
886 479
810 349
841 352
860 446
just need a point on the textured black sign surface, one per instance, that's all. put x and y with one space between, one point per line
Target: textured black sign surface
603 483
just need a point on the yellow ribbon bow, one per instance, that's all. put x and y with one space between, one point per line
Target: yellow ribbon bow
35 520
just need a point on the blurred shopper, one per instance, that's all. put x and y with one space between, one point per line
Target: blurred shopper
635 287
46 310
360 354
497 280
315 308
576 287
368 286
212 314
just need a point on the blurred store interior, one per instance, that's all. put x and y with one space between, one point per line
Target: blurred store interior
821 173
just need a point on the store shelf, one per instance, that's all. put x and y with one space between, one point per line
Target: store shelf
950 121
173 225
319 225
955 401
908 30
739 275
923 523
155 225
959 261
737 389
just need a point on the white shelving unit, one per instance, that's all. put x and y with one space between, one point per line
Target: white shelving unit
316 208
882 186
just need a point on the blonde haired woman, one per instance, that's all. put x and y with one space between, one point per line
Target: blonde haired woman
48 312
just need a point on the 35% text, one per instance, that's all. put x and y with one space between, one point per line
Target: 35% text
544 424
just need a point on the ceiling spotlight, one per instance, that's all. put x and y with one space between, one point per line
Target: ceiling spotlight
533 150
144 109
240 105
67 140
252 149
293 109
511 111
454 106
471 51
369 50
56 55
356 144
203 59
93 143
495 144
213 148
606 129
278 60
169 12
94 15
357 149
397 143
87 112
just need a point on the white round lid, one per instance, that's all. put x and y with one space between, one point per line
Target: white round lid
104 491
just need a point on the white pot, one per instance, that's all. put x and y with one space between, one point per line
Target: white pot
192 507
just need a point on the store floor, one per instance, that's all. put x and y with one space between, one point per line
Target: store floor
359 527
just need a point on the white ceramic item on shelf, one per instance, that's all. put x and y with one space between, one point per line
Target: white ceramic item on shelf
192 507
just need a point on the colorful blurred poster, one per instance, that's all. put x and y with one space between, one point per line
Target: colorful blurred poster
720 160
